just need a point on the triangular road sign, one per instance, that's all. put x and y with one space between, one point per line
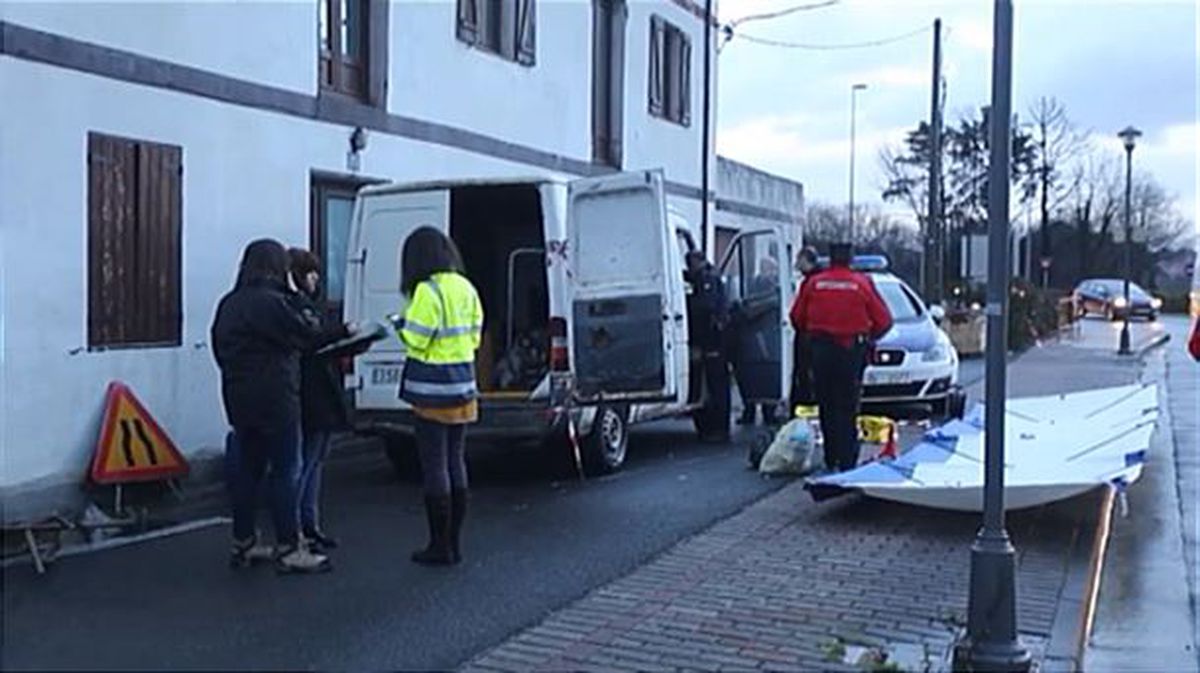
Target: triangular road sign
132 445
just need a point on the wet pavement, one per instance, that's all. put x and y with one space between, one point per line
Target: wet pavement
536 539
1146 617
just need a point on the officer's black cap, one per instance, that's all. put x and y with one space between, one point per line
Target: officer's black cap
841 253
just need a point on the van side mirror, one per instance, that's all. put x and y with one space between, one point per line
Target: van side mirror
938 313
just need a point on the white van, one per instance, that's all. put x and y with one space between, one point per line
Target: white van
585 301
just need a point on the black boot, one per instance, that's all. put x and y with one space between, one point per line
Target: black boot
437 513
769 416
458 512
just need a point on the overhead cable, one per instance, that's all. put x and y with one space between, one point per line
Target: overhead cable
828 47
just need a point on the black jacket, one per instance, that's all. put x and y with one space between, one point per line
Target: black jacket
257 339
708 307
322 402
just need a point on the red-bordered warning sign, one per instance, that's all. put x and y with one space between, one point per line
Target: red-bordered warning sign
132 445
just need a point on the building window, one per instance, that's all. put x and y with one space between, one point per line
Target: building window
134 247
608 80
507 28
670 72
329 233
352 48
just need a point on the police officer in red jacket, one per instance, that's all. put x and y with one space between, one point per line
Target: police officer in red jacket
842 314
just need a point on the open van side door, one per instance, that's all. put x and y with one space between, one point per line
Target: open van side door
624 319
383 219
758 280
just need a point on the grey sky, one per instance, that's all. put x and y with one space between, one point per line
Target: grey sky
1111 63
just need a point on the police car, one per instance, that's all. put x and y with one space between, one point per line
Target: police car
914 363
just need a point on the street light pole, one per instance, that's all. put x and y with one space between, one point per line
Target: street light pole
992 642
1129 136
935 253
853 119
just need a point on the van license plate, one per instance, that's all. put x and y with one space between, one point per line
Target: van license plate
385 376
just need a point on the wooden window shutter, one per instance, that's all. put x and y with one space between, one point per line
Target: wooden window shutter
467 27
526 37
685 80
616 101
112 221
657 46
601 77
134 242
158 315
377 52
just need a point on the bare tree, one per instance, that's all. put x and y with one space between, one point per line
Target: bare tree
1057 144
1157 221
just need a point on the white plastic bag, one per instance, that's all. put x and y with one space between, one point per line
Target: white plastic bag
793 451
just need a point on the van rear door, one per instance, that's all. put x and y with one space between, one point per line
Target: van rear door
758 281
383 219
623 323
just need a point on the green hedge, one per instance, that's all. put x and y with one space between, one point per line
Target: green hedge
1033 313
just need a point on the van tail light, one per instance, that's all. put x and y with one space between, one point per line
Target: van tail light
560 358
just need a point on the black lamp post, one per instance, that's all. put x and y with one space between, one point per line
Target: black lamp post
1129 136
992 643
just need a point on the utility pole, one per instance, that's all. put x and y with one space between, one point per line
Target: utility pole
992 641
853 120
706 125
935 254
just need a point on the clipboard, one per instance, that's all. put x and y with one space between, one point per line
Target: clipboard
356 343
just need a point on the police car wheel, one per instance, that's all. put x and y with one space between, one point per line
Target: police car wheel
605 447
401 451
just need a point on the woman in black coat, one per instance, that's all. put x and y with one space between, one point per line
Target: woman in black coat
257 339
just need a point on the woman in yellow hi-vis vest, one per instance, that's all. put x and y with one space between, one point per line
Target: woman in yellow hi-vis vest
441 332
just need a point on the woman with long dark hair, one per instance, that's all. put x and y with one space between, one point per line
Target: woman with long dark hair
322 403
441 331
257 339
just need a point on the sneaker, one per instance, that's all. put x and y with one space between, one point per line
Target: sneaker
298 559
320 542
250 552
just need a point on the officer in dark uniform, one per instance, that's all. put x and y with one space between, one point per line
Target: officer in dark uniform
842 314
708 309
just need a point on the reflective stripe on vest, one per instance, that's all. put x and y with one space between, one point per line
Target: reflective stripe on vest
429 385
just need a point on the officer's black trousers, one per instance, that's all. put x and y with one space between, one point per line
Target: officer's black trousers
716 378
837 374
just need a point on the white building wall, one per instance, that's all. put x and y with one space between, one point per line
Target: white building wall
548 106
651 141
775 202
247 175
271 42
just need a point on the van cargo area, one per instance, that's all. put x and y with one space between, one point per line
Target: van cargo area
500 232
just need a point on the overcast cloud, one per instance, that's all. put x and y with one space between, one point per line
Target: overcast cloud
1111 63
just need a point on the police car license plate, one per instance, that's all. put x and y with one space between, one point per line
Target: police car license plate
886 378
386 376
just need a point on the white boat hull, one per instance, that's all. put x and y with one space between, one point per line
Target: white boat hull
1055 448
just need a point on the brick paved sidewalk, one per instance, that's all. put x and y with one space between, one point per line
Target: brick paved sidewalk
781 584
788 584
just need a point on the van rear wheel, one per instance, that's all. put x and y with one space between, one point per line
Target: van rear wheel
605 447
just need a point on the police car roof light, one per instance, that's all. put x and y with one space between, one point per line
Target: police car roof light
862 262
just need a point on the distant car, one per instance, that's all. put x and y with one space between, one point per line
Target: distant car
914 363
1106 297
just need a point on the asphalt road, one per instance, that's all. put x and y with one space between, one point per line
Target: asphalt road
536 540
